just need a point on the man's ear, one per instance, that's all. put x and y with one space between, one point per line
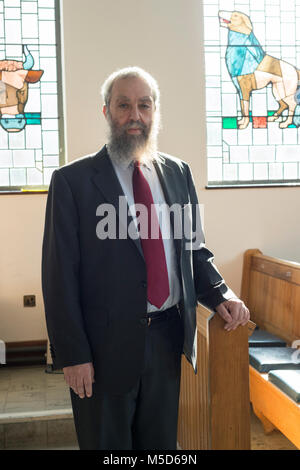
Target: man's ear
104 110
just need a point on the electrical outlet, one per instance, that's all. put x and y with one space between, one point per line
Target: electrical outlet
29 300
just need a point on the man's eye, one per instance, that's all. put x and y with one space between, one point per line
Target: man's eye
123 105
145 106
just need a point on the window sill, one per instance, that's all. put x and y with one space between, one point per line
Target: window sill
253 185
14 191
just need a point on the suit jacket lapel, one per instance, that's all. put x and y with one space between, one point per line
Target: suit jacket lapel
171 192
108 183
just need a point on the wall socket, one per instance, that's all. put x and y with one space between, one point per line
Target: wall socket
29 300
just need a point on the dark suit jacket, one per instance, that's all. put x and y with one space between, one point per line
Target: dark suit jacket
95 290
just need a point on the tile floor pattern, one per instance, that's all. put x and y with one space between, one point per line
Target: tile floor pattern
28 390
42 401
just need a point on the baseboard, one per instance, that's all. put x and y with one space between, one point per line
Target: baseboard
26 352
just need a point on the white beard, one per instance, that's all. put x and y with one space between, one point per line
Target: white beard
124 148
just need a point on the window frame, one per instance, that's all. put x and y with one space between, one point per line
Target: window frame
238 183
43 189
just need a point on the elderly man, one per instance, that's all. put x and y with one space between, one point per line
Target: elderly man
121 302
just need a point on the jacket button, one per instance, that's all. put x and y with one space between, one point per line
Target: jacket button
144 284
143 321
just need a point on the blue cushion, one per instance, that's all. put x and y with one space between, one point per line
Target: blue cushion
288 381
262 338
266 359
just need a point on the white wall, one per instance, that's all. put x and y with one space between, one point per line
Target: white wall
165 38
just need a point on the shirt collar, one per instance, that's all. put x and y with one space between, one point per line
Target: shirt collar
143 164
127 165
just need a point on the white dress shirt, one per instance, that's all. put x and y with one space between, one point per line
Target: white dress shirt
124 173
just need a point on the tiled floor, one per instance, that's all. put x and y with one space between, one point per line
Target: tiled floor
41 402
35 410
29 388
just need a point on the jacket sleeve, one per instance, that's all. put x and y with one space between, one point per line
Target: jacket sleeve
210 287
60 277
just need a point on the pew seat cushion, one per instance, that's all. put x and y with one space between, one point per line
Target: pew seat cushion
288 381
262 338
266 359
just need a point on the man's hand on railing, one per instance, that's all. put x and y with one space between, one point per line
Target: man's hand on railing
234 312
80 378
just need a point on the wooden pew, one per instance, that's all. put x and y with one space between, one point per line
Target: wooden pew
271 291
214 411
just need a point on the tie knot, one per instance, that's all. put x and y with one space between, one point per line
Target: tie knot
137 167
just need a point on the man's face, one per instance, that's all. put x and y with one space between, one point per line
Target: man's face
131 103
131 116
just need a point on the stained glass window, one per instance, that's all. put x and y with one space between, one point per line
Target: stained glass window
252 62
31 140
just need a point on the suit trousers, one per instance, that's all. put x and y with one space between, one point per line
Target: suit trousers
146 417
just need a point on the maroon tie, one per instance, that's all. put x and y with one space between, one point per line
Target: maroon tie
153 248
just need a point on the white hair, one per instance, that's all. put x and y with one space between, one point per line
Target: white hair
130 72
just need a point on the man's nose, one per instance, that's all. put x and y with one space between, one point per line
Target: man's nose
135 115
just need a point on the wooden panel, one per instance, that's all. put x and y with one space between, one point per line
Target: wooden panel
245 289
271 290
268 299
277 268
229 387
193 420
274 407
214 404
295 309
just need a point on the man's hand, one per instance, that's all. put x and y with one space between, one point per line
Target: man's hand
234 312
80 378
